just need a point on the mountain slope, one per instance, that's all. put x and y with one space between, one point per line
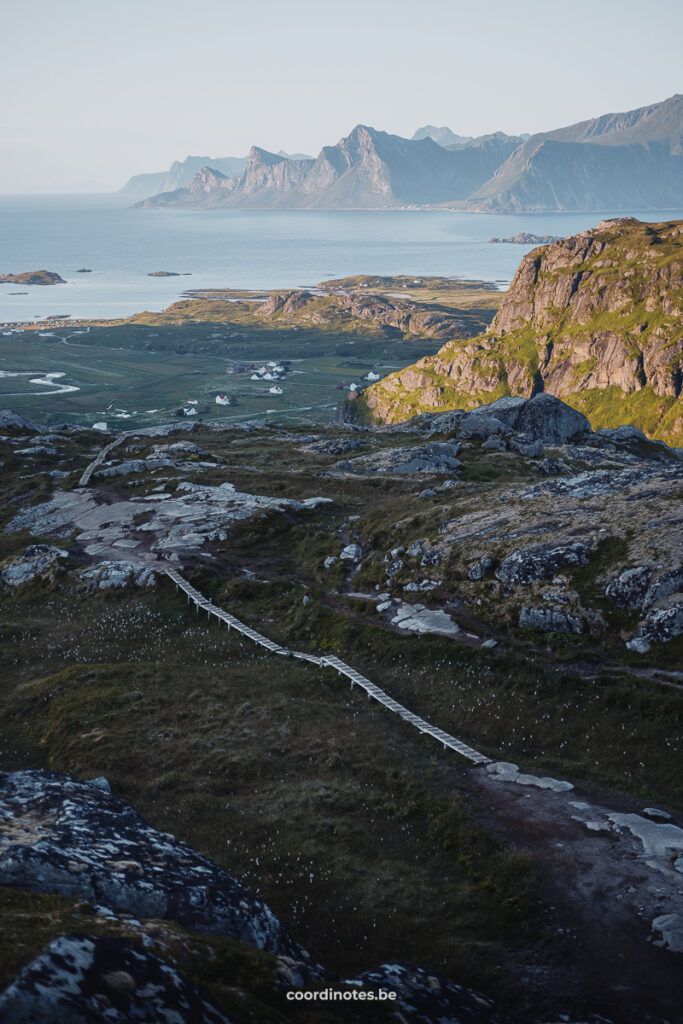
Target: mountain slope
594 319
632 159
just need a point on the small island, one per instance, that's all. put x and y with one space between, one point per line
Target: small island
524 238
84 270
32 277
163 273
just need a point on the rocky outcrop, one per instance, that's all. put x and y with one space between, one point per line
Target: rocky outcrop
119 576
433 457
550 620
541 562
659 626
593 319
15 421
38 561
75 838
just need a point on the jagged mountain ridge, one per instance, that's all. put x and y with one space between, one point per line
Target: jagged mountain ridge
594 319
629 160
366 169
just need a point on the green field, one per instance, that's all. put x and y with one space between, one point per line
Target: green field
137 375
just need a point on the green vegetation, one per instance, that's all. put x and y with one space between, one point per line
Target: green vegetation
604 335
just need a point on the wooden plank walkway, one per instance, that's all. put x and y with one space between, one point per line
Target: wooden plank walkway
331 661
90 469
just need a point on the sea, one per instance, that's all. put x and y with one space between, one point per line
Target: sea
255 249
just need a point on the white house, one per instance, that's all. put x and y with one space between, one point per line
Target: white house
275 390
372 375
223 400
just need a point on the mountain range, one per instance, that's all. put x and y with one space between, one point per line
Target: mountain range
622 161
181 173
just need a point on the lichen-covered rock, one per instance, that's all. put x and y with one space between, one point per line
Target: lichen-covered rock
119 575
541 562
59 835
426 998
550 620
628 589
83 979
665 585
479 569
37 561
660 625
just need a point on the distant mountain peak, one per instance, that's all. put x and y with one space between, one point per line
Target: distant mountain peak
442 136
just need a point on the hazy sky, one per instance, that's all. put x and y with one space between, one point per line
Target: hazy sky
94 91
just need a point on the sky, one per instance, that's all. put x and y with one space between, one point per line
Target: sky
95 91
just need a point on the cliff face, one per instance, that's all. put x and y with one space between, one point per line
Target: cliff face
594 319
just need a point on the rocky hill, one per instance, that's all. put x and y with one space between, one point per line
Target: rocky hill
594 319
44 277
503 577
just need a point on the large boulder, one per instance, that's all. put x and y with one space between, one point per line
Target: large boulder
542 562
543 418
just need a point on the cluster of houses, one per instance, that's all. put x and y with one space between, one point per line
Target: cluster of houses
271 371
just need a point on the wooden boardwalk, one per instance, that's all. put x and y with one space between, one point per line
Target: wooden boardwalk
331 661
92 466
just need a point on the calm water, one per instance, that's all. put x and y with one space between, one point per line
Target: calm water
240 249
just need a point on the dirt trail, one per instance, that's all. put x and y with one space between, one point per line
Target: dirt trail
602 887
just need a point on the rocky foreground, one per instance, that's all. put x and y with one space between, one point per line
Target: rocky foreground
506 572
594 319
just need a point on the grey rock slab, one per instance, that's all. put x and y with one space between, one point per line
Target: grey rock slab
417 619
659 840
351 553
670 927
